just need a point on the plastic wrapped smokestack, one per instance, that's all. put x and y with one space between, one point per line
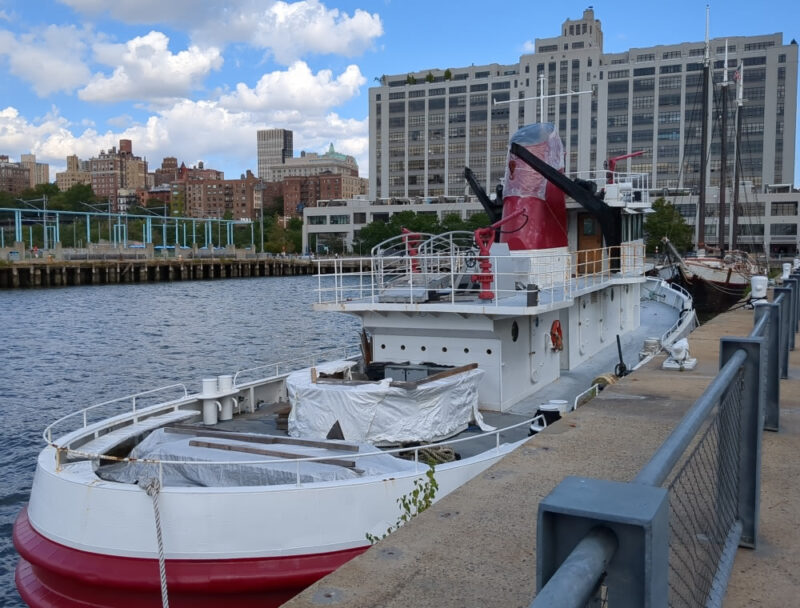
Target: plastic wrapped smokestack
543 224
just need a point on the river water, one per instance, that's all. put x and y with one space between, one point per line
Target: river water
63 349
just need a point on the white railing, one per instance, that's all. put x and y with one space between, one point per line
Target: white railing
454 277
282 368
83 414
493 436
678 298
133 406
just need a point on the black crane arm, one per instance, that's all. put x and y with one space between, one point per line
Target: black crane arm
492 208
608 217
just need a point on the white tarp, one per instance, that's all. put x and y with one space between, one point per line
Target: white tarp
381 414
189 467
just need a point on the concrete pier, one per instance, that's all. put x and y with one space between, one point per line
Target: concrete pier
477 546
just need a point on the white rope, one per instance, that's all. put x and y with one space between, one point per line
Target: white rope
153 488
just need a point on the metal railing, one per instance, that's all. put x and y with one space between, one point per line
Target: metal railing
452 277
150 401
669 537
491 441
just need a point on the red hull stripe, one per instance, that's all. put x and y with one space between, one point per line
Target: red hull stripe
79 578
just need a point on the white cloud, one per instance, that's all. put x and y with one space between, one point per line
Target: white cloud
188 130
50 59
529 46
147 69
289 29
292 30
297 88
120 121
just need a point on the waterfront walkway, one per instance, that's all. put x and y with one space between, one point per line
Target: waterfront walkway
477 547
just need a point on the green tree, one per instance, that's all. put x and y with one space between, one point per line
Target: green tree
448 74
372 234
277 239
294 231
666 221
478 220
428 77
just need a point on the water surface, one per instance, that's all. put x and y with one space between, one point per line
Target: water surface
65 348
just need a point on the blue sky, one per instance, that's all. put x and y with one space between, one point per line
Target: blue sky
196 79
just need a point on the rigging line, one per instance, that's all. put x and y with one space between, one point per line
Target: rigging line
525 223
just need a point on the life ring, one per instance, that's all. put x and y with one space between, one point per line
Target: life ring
556 335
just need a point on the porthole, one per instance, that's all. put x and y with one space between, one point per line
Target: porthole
514 331
422 348
444 349
488 351
383 346
402 347
466 350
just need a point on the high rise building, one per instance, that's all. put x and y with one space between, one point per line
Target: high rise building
274 147
77 173
114 170
39 172
426 126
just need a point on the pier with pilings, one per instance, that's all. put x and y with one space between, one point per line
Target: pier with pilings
38 273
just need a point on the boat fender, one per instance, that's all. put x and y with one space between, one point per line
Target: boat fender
556 335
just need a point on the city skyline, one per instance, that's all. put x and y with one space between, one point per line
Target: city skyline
197 83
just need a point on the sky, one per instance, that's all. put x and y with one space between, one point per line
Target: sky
196 79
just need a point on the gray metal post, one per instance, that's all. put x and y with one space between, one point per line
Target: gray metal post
792 283
753 397
772 403
637 515
785 303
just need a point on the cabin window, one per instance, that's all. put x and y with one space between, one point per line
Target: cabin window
588 226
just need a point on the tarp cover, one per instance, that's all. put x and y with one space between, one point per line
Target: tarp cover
240 468
381 414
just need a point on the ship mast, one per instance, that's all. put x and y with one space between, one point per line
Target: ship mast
737 153
723 157
701 201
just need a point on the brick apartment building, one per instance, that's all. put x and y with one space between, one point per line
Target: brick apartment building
115 170
14 178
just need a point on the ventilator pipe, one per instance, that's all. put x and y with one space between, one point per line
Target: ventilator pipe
225 383
209 388
787 270
210 412
226 413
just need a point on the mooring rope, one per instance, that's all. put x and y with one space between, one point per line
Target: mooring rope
153 488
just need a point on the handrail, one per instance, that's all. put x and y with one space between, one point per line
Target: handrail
575 581
47 433
659 466
312 355
350 456
728 419
557 275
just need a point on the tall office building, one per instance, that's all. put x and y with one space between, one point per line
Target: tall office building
39 172
274 147
426 126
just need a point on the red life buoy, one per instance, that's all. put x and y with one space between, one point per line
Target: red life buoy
556 336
